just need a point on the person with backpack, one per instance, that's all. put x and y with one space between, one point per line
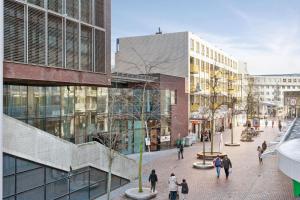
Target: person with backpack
153 180
226 164
218 165
173 187
184 189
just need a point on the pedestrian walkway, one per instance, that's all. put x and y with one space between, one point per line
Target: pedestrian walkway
249 180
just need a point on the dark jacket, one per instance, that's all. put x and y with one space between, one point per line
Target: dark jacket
153 178
226 163
184 188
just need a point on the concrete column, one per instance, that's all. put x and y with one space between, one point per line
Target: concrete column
1 91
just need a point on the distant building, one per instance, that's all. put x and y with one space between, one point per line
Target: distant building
270 89
292 103
185 55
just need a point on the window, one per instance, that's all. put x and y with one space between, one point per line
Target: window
99 13
72 48
295 80
14 40
86 11
72 8
192 44
284 80
202 49
55 41
86 53
36 36
207 52
289 80
197 47
99 51
55 5
37 2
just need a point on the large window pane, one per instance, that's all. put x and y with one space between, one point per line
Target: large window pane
80 99
79 181
14 40
99 13
80 195
55 42
29 180
72 42
91 107
55 5
67 101
37 2
102 100
57 189
53 101
38 123
24 165
80 128
86 48
115 182
36 36
8 186
54 174
100 51
53 126
97 175
8 165
72 8
67 129
97 189
86 11
36 102
17 101
36 194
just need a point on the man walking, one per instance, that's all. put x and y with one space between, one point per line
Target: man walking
153 180
279 125
226 164
218 164
180 151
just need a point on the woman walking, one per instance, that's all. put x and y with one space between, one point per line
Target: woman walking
260 151
173 188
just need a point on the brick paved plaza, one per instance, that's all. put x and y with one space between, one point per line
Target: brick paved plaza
248 180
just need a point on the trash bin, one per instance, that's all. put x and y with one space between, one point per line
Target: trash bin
188 141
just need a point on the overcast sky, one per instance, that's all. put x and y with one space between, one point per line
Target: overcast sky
264 33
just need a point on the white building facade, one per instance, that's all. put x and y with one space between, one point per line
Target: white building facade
271 88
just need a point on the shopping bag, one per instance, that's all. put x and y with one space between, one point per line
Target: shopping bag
230 170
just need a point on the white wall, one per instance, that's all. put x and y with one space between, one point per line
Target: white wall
169 52
27 142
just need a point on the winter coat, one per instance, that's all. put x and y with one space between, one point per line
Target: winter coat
227 163
184 188
153 178
218 162
173 183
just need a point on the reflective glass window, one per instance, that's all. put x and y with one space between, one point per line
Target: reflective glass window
57 189
17 101
36 102
79 181
53 101
86 48
30 179
54 174
55 41
53 125
36 194
67 100
24 165
99 13
72 8
86 11
80 195
102 100
8 165
80 99
115 182
68 128
8 186
98 189
97 175
72 44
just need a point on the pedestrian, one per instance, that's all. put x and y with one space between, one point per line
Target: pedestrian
279 125
180 151
266 122
226 164
259 150
218 165
209 133
273 123
264 146
173 188
184 189
153 180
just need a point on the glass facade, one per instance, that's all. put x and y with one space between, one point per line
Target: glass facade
48 183
79 113
50 33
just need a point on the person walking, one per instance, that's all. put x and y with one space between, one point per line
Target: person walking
218 165
266 123
153 180
279 125
264 146
226 164
180 151
184 189
259 150
173 187
273 123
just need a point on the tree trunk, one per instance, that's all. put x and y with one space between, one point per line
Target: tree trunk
212 128
110 161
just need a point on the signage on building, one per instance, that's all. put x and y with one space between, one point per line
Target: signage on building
147 141
293 101
165 138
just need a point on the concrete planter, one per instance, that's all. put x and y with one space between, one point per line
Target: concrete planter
200 165
209 156
232 144
247 140
134 193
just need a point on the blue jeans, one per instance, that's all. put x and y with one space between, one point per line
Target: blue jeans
173 195
218 171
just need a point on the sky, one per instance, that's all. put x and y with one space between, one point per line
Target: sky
263 33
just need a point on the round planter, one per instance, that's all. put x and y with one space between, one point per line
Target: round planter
232 144
244 140
200 165
134 193
209 156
